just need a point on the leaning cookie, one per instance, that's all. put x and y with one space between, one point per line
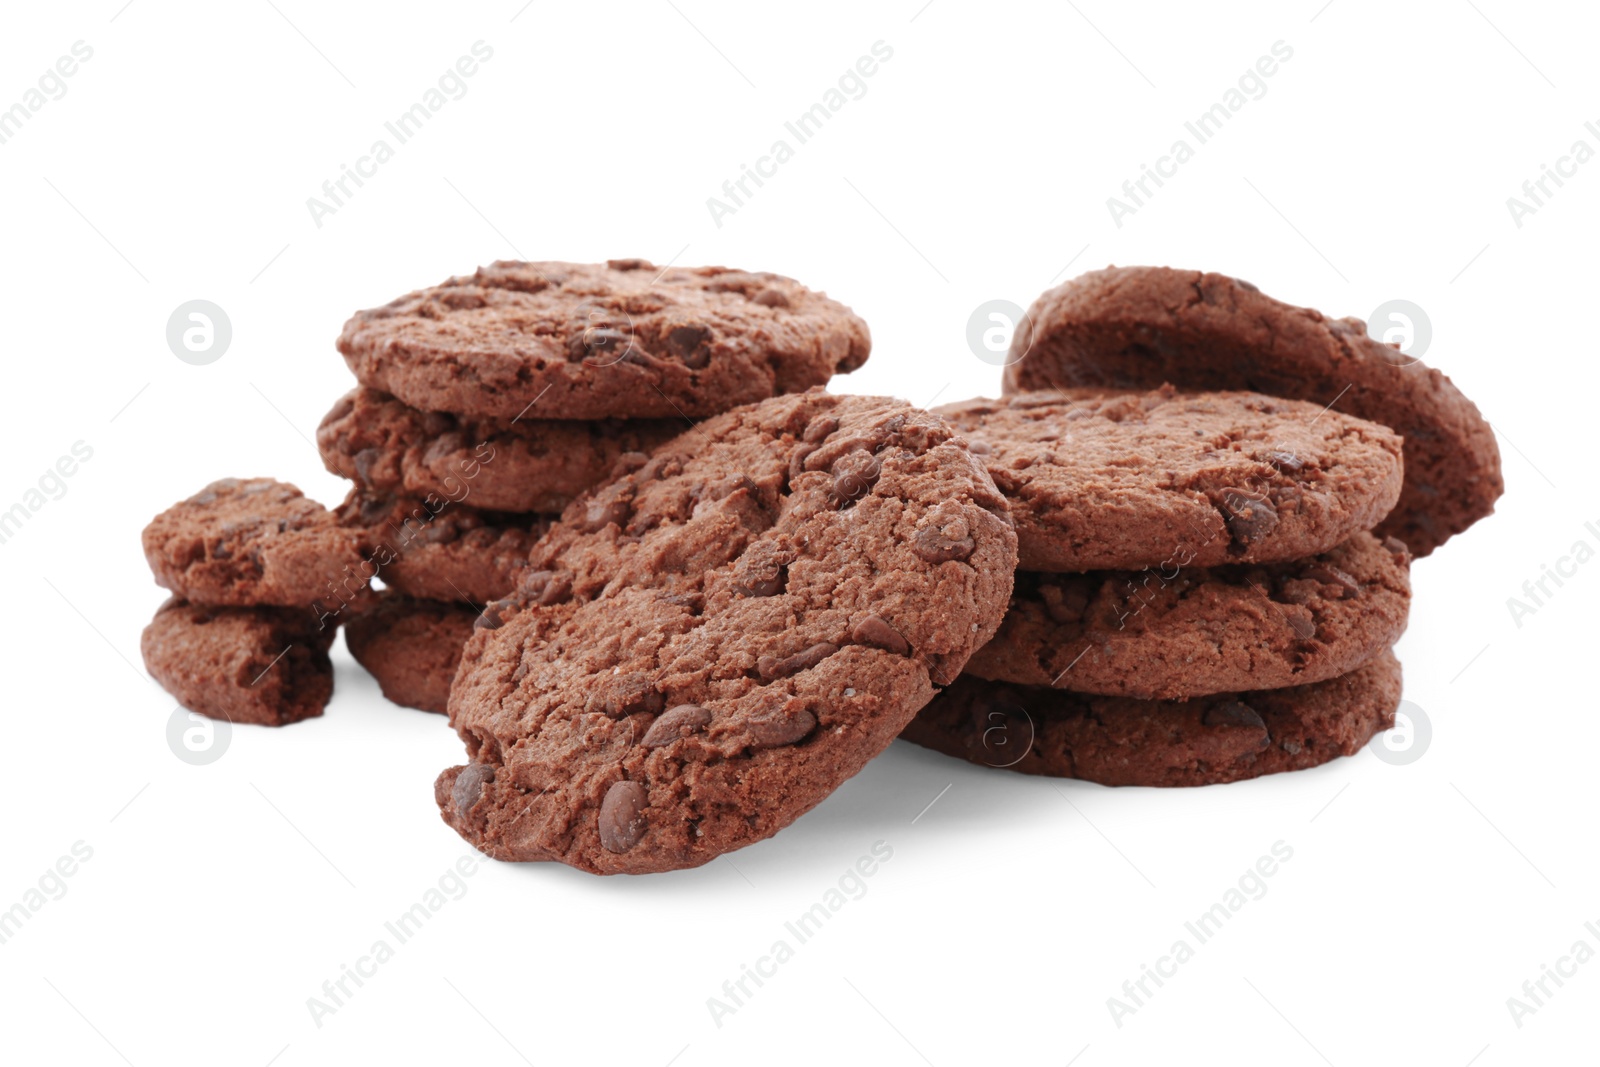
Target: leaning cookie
1177 631
249 541
1137 327
623 339
705 648
1121 741
389 448
1104 480
433 548
262 665
411 647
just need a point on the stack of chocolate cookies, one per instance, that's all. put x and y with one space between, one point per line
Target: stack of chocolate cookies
1217 499
485 406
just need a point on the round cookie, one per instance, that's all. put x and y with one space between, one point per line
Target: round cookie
519 465
1138 327
1108 481
411 647
249 541
1122 741
433 548
578 341
1174 631
705 648
263 665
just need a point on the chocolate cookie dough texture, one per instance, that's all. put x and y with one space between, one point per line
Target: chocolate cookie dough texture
704 648
1142 327
1217 498
485 406
245 637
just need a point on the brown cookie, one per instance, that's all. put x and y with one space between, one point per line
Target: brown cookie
1138 327
249 541
262 665
1110 481
433 548
578 341
1123 741
518 465
1178 631
705 648
411 647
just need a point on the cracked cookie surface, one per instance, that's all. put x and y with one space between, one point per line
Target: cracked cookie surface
244 541
1124 741
706 647
1192 631
623 339
1138 327
262 665
1105 480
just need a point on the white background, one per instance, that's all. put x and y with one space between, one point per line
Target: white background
976 166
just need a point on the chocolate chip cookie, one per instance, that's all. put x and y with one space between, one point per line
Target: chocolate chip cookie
433 548
389 448
706 647
1138 327
576 341
1122 741
1107 480
411 647
1179 631
262 665
249 541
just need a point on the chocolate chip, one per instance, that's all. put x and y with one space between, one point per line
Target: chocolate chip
1303 626
780 726
558 590
819 428
443 445
797 459
933 546
365 460
469 785
435 423
1250 517
1233 713
630 264
1349 588
1397 548
681 721
771 667
772 297
603 511
1290 746
490 618
1241 283
978 447
762 586
854 475
1285 462
440 532
691 344
875 630
622 821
